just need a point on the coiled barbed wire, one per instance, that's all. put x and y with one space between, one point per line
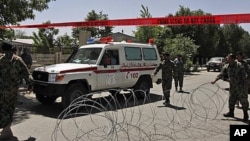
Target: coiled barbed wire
123 116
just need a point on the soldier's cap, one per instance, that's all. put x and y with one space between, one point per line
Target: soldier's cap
6 46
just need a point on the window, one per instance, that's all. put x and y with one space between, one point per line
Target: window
149 54
110 57
133 53
86 56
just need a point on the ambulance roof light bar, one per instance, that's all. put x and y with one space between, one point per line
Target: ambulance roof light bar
151 41
99 40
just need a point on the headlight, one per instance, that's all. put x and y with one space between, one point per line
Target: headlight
53 77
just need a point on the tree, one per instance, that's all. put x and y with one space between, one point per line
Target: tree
244 43
14 11
182 45
161 37
144 12
206 36
222 45
95 31
233 34
9 34
144 33
44 40
65 42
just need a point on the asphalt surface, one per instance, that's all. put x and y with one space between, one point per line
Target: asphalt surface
196 114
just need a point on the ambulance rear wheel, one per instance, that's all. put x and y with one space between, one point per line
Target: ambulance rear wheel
142 88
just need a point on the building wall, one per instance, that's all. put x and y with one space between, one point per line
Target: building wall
48 59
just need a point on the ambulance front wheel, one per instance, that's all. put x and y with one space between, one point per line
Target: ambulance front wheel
75 92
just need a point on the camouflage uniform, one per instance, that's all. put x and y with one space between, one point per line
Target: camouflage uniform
179 73
246 66
167 67
238 85
13 70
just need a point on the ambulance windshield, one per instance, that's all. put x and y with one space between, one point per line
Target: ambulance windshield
86 56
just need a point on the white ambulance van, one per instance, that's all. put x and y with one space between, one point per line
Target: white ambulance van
106 65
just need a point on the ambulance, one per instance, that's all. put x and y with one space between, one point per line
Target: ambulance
91 69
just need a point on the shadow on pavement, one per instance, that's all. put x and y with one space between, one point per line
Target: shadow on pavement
173 107
237 119
16 139
183 92
107 103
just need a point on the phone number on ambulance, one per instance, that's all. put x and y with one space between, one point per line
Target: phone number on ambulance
132 75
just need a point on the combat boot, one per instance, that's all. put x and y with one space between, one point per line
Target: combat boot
166 103
230 113
181 89
245 117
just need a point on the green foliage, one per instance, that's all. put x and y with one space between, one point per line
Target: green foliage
244 44
44 40
205 36
64 41
234 34
14 11
144 33
95 31
195 40
8 34
144 12
188 65
180 45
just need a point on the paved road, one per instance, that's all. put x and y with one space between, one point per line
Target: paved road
195 114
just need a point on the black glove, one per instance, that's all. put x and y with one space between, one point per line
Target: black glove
158 81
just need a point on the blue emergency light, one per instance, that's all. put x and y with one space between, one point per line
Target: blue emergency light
99 40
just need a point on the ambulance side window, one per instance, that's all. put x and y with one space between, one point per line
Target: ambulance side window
110 57
133 53
149 54
116 56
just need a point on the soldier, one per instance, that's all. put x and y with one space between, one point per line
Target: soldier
167 67
27 58
237 82
13 69
239 56
179 72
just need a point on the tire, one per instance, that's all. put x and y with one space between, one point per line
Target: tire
72 92
142 88
208 69
46 99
